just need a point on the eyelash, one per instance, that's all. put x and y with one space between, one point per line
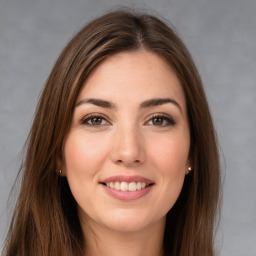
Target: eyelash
165 118
86 119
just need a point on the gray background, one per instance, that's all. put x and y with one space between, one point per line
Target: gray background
221 36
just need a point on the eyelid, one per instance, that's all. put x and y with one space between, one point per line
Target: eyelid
162 115
166 117
91 115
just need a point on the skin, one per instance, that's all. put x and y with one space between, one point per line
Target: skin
127 140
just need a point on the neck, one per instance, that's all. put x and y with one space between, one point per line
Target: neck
106 242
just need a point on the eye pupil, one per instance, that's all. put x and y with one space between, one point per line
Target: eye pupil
96 120
157 121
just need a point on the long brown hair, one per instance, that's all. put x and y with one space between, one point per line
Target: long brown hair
45 220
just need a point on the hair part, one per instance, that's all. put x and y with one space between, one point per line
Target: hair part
45 220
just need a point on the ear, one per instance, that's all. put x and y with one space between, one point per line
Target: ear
188 170
189 167
61 167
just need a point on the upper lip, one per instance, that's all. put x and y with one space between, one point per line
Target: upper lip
127 179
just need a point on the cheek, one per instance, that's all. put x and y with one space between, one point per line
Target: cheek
84 157
169 158
83 154
170 155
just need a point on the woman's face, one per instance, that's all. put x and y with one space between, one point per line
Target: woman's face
126 154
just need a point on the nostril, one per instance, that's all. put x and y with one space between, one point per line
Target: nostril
128 162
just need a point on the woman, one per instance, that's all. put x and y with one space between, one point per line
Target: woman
122 156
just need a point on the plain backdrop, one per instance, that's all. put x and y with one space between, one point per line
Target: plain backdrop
221 37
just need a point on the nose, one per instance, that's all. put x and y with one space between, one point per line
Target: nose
128 147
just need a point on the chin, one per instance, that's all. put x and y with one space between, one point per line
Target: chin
129 220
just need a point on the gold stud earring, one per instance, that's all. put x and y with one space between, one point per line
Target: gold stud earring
189 169
60 171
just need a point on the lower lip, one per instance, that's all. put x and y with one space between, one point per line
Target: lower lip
127 195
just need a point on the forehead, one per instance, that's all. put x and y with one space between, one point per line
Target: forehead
133 76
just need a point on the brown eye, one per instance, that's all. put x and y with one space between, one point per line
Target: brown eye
96 120
161 121
158 121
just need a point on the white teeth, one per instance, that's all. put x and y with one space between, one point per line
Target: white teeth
138 186
132 186
125 186
117 185
112 184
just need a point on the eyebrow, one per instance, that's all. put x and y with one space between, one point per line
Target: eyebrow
159 101
97 102
144 104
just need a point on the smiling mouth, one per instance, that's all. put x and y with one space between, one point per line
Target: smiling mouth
127 186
